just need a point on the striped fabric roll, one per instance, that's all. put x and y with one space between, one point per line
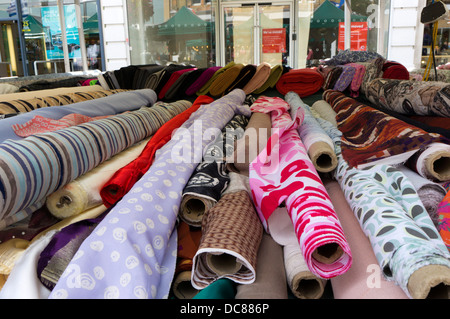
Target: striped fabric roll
36 166
23 106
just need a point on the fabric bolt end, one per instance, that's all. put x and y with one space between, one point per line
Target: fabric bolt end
304 82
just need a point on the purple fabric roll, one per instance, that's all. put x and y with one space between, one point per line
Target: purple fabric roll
198 84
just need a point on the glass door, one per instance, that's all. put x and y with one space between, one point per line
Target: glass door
256 32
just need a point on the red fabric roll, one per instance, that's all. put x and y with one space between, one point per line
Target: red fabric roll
395 70
304 82
175 76
124 179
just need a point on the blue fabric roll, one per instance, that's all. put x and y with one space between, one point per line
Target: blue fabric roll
110 105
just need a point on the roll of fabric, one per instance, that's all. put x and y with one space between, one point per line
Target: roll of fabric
144 245
167 73
432 162
262 74
245 75
374 70
331 77
275 74
174 77
187 82
109 105
371 136
232 234
410 97
143 73
188 242
6 88
202 80
325 111
174 90
154 79
270 282
319 145
301 281
123 180
395 70
350 56
51 160
210 179
360 70
304 82
283 172
433 121
403 237
222 288
443 211
225 79
345 79
84 192
254 140
430 193
26 105
363 280
205 88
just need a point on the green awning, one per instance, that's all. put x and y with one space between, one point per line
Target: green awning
182 23
327 15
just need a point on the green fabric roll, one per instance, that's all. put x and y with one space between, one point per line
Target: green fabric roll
225 80
275 74
223 288
205 88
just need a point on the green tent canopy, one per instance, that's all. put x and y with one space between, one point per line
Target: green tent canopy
184 22
327 15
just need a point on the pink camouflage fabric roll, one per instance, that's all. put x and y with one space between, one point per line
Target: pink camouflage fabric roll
283 172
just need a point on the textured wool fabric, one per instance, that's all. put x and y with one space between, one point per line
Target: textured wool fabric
123 180
304 82
301 281
205 88
231 237
202 80
26 105
262 74
225 79
109 105
433 121
395 70
139 235
411 97
270 282
319 145
84 192
374 70
360 69
275 74
363 280
371 136
37 166
283 172
325 111
345 79
430 193
402 234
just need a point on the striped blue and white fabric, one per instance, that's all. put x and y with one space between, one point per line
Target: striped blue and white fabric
36 166
109 105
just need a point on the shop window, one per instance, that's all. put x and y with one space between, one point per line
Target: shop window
167 31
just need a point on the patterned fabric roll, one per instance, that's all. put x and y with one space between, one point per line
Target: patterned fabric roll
138 236
371 136
345 79
405 241
374 70
411 97
23 106
360 69
283 172
331 77
443 212
36 166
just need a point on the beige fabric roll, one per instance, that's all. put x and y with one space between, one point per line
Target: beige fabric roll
84 192
49 92
325 111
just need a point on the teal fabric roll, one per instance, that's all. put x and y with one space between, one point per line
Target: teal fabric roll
223 288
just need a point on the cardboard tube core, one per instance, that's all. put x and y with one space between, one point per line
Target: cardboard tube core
431 281
307 286
182 287
323 157
223 264
439 166
328 253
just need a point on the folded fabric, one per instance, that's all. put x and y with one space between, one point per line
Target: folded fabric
174 77
304 82
345 79
225 79
411 97
142 73
270 282
21 105
395 70
167 73
174 91
374 70
153 80
246 74
275 74
202 80
331 77
404 239
319 145
109 105
205 88
371 136
84 192
231 237
37 166
363 280
283 172
259 78
187 81
143 246
360 69
124 179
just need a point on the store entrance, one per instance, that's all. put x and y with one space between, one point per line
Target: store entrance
256 32
10 62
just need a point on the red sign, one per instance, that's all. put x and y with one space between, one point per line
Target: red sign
274 40
358 36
